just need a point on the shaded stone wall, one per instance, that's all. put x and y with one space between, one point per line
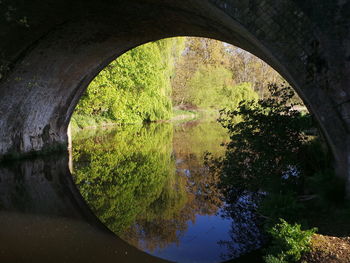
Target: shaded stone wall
40 186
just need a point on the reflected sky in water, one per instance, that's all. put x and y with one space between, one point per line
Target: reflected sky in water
200 243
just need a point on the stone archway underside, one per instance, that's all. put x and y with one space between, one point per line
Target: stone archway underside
51 51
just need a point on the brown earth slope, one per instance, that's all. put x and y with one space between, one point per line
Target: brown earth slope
327 249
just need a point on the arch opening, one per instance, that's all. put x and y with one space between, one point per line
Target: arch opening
166 156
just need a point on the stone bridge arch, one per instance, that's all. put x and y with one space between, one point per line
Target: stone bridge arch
51 51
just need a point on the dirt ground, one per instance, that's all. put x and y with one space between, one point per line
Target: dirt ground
327 249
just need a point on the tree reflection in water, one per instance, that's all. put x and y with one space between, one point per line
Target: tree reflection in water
245 232
149 184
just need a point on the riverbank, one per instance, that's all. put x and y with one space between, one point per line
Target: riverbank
79 122
184 115
328 249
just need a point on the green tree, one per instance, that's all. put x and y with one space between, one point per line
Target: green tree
264 160
212 87
135 87
266 144
203 77
198 52
289 243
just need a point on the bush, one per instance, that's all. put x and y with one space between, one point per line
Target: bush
79 121
281 205
288 243
273 259
268 154
328 187
263 146
134 88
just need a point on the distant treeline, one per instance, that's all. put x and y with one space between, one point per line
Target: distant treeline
144 84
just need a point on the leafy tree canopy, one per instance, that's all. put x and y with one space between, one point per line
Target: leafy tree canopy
135 87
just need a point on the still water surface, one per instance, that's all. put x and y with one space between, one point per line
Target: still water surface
149 185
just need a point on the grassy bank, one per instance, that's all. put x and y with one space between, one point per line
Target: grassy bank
184 115
79 121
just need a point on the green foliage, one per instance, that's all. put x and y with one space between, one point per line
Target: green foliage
122 173
277 205
82 121
273 259
289 242
198 137
138 86
133 88
184 115
263 146
202 53
212 87
266 156
315 153
204 78
329 187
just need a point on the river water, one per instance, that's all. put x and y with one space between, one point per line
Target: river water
137 193
150 186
